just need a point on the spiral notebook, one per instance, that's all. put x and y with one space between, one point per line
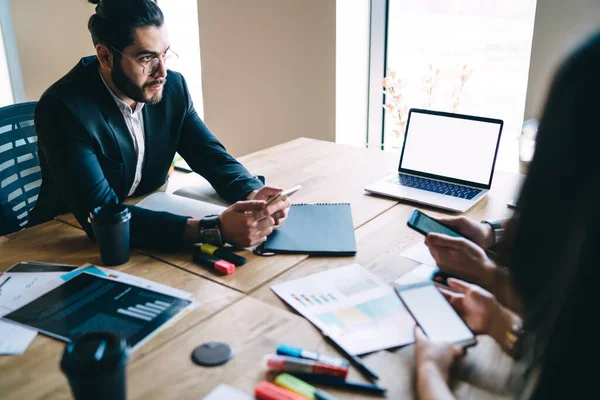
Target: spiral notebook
323 229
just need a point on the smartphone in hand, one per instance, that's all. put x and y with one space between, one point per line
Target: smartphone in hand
424 224
436 317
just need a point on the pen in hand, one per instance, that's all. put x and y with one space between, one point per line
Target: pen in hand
355 360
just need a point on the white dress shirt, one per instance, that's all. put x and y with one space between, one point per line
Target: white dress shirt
135 123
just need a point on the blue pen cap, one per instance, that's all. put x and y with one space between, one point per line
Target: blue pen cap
287 350
292 351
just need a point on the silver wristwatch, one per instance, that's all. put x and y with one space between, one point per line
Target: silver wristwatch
497 230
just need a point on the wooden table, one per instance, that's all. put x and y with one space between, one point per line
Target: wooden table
240 309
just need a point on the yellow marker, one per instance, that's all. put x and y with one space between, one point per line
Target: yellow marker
222 253
296 385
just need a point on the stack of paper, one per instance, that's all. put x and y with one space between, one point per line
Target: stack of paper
91 297
20 283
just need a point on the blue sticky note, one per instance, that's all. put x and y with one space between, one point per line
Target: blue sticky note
90 270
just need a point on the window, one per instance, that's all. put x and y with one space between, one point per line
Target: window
181 19
6 90
11 79
352 69
465 56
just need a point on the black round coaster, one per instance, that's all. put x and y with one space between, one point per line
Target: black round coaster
212 354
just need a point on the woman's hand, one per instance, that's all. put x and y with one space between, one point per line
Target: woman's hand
435 357
481 311
433 361
461 258
479 232
475 305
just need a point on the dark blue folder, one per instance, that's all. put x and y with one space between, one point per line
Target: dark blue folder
315 229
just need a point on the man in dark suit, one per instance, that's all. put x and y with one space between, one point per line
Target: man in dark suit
110 128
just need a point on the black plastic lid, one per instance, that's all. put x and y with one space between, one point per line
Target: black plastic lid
110 214
212 354
95 352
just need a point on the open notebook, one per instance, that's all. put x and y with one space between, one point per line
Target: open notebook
196 201
316 229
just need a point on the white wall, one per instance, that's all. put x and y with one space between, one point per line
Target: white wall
51 37
268 66
559 26
268 71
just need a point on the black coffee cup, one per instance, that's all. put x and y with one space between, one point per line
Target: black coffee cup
95 365
111 228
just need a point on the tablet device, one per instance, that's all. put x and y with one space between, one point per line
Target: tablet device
434 314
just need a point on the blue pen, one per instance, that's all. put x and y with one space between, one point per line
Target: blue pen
287 350
341 383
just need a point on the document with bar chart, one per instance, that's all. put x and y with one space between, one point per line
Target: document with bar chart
358 310
89 302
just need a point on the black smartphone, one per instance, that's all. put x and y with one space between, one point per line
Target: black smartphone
436 317
424 224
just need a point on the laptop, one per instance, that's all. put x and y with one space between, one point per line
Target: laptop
447 160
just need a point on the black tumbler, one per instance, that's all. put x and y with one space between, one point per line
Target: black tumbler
111 228
95 365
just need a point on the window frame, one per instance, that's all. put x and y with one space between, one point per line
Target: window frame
12 54
377 66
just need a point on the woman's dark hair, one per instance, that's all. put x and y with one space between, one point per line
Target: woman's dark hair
114 20
554 239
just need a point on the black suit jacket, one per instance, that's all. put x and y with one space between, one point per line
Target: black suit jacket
88 159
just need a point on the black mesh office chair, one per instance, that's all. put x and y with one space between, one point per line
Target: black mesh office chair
20 174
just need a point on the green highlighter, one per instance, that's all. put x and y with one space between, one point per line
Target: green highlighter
296 385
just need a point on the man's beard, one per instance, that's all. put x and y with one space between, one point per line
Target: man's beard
133 91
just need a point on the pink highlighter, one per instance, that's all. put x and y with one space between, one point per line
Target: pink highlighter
293 364
220 265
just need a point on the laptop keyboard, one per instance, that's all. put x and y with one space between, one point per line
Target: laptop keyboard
430 185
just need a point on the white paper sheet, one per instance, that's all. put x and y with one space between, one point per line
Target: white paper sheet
23 287
14 339
422 273
226 392
358 310
419 253
202 190
179 205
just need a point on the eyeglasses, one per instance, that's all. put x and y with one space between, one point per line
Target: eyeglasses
151 65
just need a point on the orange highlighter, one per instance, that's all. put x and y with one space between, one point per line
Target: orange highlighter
268 391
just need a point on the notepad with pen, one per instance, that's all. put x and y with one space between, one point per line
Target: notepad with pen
323 229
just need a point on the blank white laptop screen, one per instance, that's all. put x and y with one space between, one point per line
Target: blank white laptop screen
451 147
